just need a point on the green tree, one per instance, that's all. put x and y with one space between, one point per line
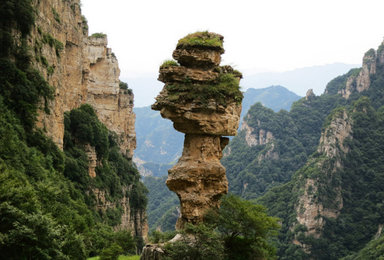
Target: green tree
111 253
245 228
238 230
198 242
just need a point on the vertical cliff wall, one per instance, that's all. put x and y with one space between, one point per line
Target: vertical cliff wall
82 69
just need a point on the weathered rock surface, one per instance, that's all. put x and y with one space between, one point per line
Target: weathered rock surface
311 211
198 57
92 159
255 137
372 61
198 178
83 70
181 74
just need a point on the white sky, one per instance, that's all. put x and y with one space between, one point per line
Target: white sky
259 35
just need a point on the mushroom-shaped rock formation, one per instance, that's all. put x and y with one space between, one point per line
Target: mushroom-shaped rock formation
203 100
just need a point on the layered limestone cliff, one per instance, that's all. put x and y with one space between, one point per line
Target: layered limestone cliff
255 137
311 211
82 69
372 61
197 99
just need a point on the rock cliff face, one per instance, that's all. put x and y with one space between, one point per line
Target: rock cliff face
256 137
362 80
311 211
82 70
199 178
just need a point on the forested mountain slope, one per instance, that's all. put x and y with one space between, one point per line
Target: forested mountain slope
320 166
68 188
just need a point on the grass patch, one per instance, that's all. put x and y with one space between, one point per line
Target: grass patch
202 39
54 43
99 35
169 63
56 15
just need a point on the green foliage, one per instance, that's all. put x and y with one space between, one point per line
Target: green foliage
53 42
374 250
169 63
98 35
225 89
14 14
124 86
339 82
161 237
87 129
161 204
39 208
23 90
84 22
358 179
238 230
43 192
246 229
82 127
56 15
201 39
111 253
205 244
295 138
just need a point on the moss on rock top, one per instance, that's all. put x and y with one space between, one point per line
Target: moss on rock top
202 39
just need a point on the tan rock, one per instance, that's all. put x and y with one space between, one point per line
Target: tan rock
192 118
198 178
183 74
362 81
310 210
309 94
84 71
92 160
198 57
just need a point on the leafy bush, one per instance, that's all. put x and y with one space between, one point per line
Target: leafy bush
98 35
169 63
238 230
111 253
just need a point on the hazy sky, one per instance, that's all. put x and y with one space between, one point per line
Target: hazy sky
268 35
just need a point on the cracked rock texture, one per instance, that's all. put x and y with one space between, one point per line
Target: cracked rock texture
198 178
82 69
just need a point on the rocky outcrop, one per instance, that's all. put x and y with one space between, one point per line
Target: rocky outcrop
198 178
311 211
309 95
136 221
333 137
152 252
82 69
255 137
358 82
92 159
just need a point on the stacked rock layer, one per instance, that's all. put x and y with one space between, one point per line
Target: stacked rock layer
193 100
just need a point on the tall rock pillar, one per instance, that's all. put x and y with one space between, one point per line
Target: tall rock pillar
203 100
